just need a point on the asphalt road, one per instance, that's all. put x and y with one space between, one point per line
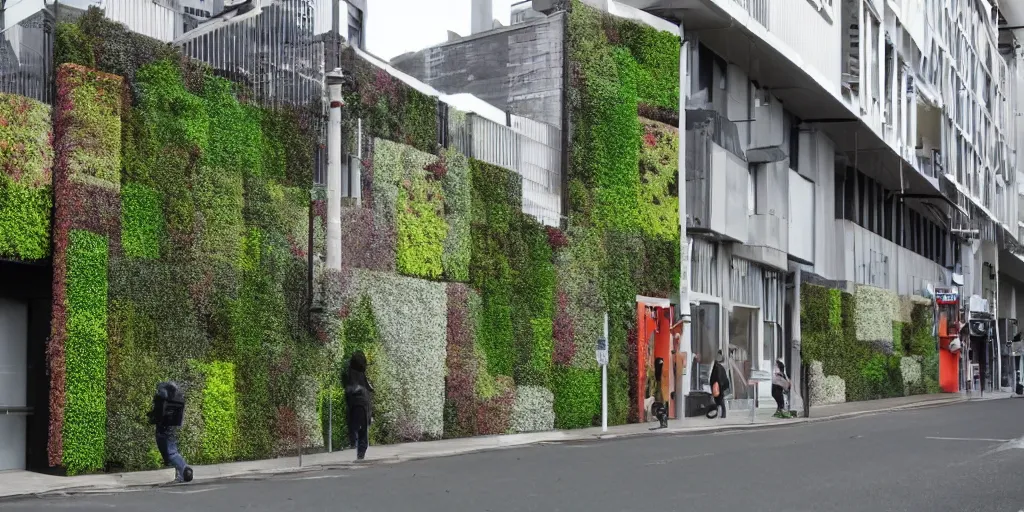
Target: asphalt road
966 457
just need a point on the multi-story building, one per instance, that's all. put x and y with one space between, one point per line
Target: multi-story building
863 145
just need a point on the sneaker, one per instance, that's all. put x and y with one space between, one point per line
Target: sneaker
188 474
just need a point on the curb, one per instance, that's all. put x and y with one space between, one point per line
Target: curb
779 424
262 474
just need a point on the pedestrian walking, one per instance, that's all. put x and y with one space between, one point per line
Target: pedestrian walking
358 402
167 415
719 381
780 384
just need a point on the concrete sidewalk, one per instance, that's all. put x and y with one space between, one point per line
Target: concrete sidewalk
22 483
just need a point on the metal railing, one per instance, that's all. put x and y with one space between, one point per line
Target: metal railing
273 50
530 148
758 9
26 56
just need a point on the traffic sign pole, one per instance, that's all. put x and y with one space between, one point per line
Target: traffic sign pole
604 379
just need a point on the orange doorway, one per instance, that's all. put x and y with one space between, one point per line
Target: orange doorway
657 346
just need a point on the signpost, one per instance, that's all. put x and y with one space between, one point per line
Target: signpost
602 359
757 377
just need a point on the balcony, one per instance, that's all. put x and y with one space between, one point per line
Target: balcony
715 178
866 258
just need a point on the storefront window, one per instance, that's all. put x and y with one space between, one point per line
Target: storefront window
705 343
742 334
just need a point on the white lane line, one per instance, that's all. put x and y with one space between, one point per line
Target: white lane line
980 439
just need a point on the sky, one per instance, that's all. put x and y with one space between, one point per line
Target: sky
394 26
398 26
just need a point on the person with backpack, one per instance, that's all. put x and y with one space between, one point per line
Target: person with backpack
780 384
719 382
167 414
358 402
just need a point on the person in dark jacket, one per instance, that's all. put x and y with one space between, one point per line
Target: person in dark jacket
358 401
167 428
719 381
780 384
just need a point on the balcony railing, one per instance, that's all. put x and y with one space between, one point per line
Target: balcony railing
26 56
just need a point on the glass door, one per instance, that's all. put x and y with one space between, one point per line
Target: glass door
705 343
742 355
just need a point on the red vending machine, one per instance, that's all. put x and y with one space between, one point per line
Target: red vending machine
949 322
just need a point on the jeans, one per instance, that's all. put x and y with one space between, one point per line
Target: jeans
779 395
720 404
358 430
167 443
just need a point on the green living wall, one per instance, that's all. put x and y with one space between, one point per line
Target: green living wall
181 236
623 225
870 344
182 246
26 195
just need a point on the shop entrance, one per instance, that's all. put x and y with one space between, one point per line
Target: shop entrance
743 355
13 383
659 359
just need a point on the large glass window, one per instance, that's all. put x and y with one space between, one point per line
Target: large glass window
705 342
742 356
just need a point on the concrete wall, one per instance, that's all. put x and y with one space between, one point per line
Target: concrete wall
867 258
518 68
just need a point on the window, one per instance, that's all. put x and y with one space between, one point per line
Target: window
890 206
751 189
355 27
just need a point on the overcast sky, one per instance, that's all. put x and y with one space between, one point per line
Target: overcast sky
395 26
399 26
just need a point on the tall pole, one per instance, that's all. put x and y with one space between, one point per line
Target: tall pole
333 248
604 383
684 246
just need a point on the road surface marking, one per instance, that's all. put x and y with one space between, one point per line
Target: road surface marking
981 439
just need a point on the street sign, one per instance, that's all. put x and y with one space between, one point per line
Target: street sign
760 375
602 351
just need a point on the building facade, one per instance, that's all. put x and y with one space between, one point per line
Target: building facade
867 147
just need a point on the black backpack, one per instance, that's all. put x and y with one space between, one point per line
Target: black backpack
723 378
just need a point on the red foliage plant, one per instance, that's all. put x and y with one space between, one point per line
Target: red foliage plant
286 428
565 348
650 139
494 416
438 169
367 245
557 238
461 363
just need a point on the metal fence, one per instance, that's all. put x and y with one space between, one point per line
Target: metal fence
530 148
26 55
271 48
159 19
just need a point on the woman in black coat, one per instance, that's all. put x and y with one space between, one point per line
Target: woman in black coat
358 401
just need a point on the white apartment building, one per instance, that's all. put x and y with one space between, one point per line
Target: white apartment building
918 101
877 140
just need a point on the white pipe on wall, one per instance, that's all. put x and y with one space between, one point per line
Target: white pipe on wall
684 246
334 179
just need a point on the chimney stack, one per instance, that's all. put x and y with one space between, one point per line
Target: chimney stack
482 12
